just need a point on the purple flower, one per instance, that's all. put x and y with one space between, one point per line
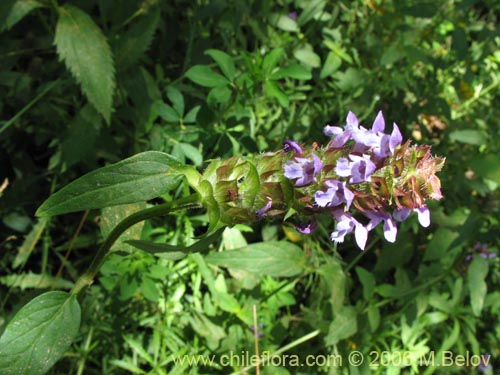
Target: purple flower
304 170
292 146
307 228
345 225
424 215
360 169
382 144
336 194
390 228
262 212
340 137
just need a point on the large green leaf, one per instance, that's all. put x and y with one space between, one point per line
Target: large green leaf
39 334
136 179
13 11
85 51
274 258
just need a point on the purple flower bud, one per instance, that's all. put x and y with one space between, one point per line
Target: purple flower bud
292 146
302 169
345 225
307 228
262 212
336 194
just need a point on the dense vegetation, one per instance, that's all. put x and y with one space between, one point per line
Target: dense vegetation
88 83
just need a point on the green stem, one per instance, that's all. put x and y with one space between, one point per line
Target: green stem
159 210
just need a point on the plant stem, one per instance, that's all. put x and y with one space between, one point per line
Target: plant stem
162 209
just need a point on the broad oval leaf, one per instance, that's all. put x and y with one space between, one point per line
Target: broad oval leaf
39 334
139 178
204 76
86 53
273 258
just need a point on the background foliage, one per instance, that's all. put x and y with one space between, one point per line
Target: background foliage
87 83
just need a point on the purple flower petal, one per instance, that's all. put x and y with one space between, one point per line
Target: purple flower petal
262 212
308 228
361 168
424 216
390 230
396 138
343 168
345 225
361 235
336 194
401 214
340 140
292 146
332 130
302 169
352 121
379 123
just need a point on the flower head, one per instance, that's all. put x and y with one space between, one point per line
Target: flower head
390 227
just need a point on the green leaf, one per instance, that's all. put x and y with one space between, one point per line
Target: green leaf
273 90
368 281
39 334
201 246
33 280
476 275
343 326
165 111
29 243
272 59
332 63
274 258
487 166
295 71
192 153
133 43
206 77
177 99
13 11
307 56
85 51
468 136
139 178
225 62
80 137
